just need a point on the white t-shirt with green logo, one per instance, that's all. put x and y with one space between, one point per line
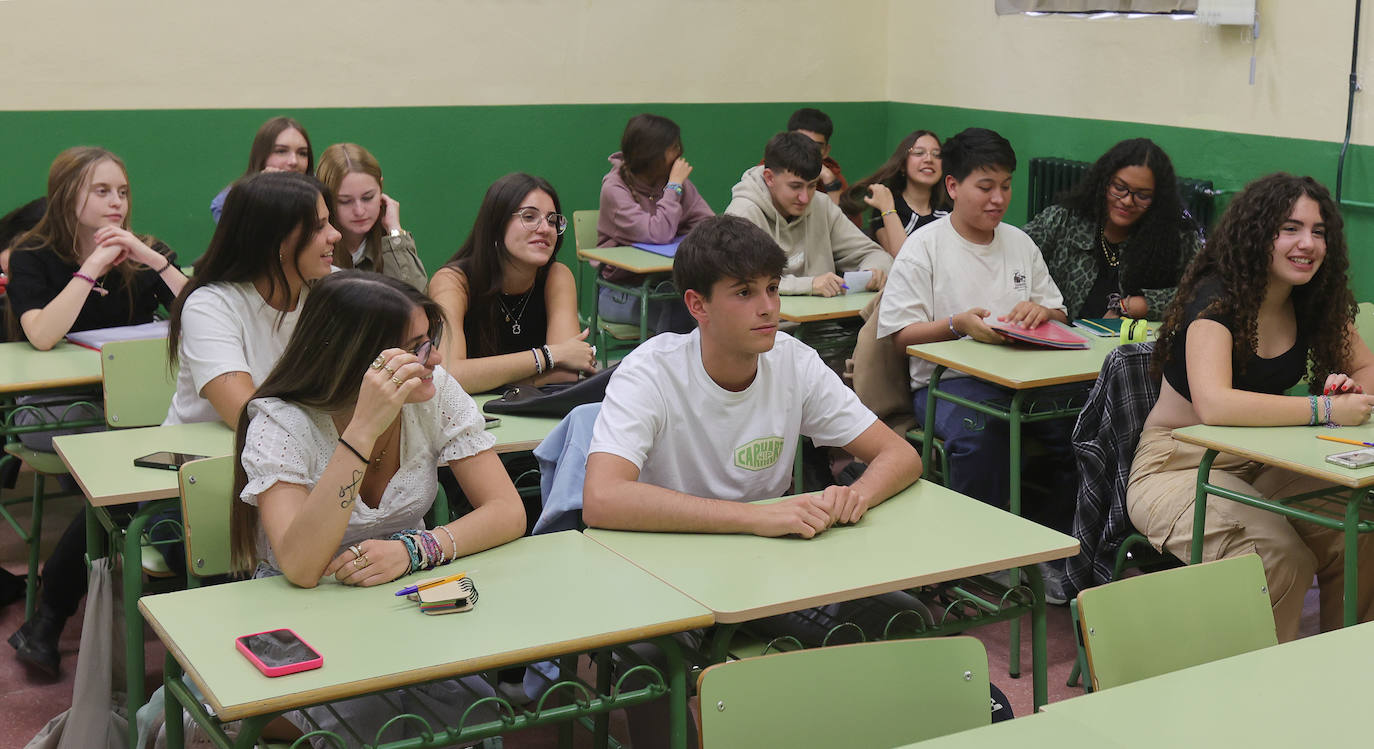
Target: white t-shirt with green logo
663 413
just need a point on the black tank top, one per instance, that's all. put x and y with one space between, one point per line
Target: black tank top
521 320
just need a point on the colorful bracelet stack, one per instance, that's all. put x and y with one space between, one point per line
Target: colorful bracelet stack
675 187
1326 404
424 548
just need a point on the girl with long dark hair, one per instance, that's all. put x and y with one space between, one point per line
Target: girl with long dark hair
1266 302
280 145
906 193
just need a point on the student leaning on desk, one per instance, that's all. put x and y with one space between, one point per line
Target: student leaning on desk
1265 302
337 451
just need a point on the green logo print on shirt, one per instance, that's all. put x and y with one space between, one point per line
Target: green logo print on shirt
759 454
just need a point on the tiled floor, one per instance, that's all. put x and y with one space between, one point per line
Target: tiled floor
28 702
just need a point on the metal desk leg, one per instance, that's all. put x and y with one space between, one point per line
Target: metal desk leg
176 734
133 622
1204 475
928 440
1039 656
1351 597
678 714
1014 505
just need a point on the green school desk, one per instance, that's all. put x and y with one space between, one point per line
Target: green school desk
517 434
1025 370
1309 692
103 465
808 309
1043 730
541 597
24 369
1296 449
923 535
653 267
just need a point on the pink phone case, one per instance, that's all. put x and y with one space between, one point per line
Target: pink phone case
289 668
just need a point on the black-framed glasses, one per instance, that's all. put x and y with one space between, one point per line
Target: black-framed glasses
530 219
421 351
1119 190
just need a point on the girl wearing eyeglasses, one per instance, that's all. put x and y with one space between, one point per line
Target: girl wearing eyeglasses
906 193
510 306
368 219
646 198
337 450
1118 241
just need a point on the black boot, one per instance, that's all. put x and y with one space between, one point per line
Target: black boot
36 641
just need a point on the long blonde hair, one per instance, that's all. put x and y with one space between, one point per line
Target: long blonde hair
339 161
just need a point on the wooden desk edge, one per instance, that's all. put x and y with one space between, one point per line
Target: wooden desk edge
1332 475
820 316
998 379
640 269
517 447
452 669
64 382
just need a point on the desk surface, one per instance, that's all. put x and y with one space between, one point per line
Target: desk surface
25 369
631 259
923 535
1019 367
1294 448
1310 692
103 462
1043 730
516 434
817 308
540 597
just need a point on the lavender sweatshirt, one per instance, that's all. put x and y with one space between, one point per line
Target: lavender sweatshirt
629 215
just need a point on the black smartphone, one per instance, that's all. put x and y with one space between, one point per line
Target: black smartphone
167 461
492 421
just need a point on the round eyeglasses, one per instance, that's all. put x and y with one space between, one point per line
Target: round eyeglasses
530 219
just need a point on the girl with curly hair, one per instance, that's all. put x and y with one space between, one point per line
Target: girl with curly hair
906 193
1118 241
1265 303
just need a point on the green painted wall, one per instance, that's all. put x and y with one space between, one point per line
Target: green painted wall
439 160
1228 159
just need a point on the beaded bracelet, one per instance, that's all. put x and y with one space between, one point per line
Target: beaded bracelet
1326 402
548 357
409 542
1312 401
675 187
438 547
451 540
538 363
434 556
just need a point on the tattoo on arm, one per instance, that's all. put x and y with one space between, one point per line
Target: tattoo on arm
349 494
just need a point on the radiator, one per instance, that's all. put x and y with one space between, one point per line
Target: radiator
1049 177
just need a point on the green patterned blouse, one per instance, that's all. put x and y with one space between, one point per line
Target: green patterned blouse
1068 243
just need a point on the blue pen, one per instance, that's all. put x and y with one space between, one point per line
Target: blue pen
420 586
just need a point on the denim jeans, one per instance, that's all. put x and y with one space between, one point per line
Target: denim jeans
978 451
665 315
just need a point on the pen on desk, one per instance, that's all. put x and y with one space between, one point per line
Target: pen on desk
425 586
1329 438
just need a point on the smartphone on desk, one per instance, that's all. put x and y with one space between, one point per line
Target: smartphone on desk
1352 459
278 652
167 461
492 421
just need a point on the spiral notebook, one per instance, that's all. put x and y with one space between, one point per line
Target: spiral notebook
448 598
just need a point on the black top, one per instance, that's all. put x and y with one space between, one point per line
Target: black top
1273 376
911 221
526 312
38 276
1108 281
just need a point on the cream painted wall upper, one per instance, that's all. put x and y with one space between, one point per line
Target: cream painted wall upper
156 54
1154 70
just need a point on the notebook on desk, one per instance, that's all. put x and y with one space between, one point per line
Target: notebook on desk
96 339
1050 334
1102 327
666 250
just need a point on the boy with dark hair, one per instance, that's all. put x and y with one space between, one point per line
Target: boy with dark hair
817 125
779 197
952 274
695 426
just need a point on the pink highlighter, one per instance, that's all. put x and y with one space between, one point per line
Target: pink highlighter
278 652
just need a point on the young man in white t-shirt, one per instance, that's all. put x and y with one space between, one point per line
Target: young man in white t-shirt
695 426
950 276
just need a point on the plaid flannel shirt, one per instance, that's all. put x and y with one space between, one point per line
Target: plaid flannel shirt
1104 442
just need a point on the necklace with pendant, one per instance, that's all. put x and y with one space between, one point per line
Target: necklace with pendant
1113 259
524 302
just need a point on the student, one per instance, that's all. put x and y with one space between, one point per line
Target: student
233 319
80 268
511 307
281 145
779 197
368 219
1118 241
1266 302
906 193
654 465
647 198
950 275
817 125
358 408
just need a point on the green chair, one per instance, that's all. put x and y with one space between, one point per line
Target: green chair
612 337
1152 624
207 493
873 694
137 381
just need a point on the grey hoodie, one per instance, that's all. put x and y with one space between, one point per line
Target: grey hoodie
821 240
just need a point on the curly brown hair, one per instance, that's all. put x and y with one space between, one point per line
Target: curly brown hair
1237 255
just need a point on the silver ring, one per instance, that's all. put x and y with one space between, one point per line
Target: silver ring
357 553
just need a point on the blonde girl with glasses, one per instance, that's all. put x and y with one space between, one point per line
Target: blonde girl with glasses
510 305
1117 242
